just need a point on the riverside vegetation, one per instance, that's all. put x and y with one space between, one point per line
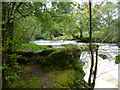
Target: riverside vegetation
60 66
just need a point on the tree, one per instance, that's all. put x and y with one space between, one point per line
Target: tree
109 14
9 11
92 57
82 19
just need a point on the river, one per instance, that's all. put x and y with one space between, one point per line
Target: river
107 73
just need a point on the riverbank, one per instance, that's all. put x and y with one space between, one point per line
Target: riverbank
53 67
50 57
107 68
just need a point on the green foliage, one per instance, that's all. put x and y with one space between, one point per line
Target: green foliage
25 79
63 18
79 80
25 21
117 61
27 29
63 38
12 69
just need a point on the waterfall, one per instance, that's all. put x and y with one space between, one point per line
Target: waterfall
84 57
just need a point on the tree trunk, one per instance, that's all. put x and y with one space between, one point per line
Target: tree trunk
95 71
81 34
92 56
33 31
7 34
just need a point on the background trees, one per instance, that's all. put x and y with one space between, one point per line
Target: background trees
55 19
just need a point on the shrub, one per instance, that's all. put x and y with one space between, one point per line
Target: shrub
117 61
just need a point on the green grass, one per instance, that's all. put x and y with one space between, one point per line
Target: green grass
32 47
61 78
29 82
26 80
69 78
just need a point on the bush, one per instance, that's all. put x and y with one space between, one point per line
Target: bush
117 61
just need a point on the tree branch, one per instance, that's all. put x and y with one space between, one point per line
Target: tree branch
14 8
23 16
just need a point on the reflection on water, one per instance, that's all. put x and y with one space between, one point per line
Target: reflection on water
107 75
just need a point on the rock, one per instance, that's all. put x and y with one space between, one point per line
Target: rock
103 56
62 57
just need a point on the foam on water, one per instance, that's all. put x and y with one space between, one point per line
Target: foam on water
107 72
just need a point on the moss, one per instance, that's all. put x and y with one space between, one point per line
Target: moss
24 57
28 82
32 47
67 79
25 79
47 51
24 53
61 79
64 57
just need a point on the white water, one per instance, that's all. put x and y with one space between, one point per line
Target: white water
55 43
107 75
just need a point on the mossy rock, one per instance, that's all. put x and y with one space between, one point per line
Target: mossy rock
24 53
47 52
64 57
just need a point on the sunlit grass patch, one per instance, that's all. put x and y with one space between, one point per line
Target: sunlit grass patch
32 47
62 78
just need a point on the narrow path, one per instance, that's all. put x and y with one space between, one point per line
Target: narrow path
37 71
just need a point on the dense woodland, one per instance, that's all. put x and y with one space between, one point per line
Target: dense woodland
23 22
